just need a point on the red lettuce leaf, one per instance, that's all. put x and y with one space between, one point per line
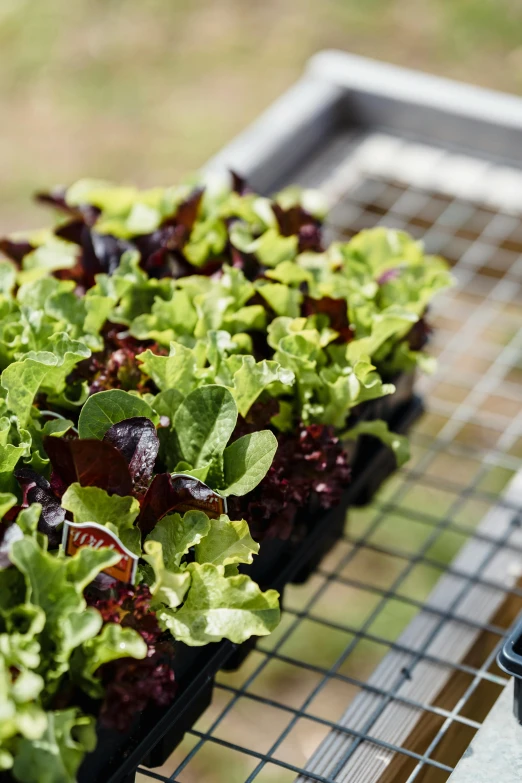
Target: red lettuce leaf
15 250
335 309
295 221
100 252
239 184
27 479
116 367
36 489
52 516
419 334
187 212
137 440
57 198
309 473
90 462
131 685
167 493
161 250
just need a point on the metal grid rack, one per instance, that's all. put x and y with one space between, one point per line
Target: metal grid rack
383 667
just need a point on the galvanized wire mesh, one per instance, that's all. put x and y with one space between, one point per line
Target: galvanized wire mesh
341 691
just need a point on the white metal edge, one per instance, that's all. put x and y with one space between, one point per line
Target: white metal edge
392 81
277 134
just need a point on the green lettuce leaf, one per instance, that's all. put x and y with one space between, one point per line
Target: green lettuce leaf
176 371
393 322
56 756
56 584
283 300
166 403
168 585
270 248
218 607
177 534
379 429
41 370
227 543
208 239
246 462
7 501
252 378
204 423
114 641
106 408
91 504
49 257
168 319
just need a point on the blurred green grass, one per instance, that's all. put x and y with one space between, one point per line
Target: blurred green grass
146 90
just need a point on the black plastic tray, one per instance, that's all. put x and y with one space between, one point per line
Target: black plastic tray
158 732
510 660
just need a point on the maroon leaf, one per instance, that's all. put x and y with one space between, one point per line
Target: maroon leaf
310 238
335 309
137 440
176 493
187 211
36 489
27 479
71 231
56 198
115 367
419 334
310 471
161 250
295 221
131 685
52 516
100 252
15 250
239 184
92 463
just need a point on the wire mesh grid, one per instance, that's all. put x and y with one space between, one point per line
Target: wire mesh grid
383 667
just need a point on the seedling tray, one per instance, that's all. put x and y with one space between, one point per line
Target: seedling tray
157 733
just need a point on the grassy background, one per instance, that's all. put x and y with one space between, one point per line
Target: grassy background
145 90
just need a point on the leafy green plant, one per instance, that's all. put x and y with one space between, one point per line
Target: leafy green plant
163 353
200 601
44 622
196 440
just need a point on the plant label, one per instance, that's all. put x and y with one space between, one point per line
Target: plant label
76 536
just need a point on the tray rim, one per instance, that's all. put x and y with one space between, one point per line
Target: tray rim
340 90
